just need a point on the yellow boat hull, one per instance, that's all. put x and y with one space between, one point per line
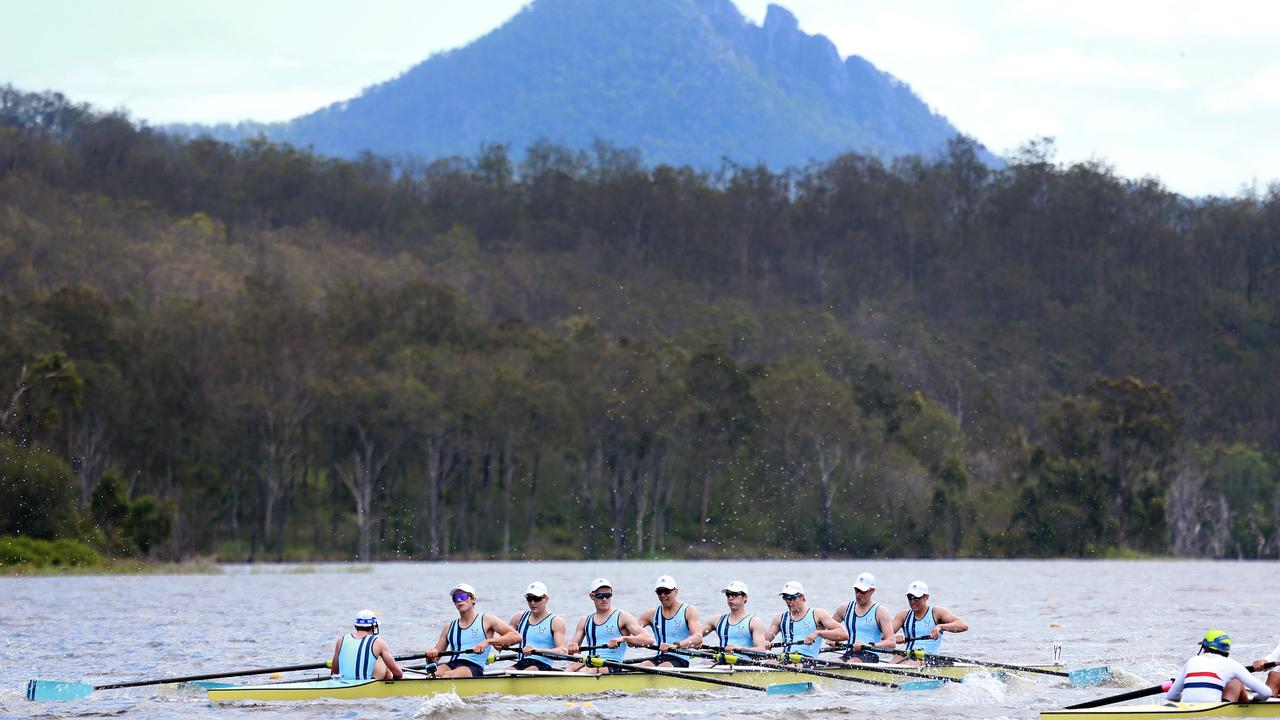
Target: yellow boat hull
557 683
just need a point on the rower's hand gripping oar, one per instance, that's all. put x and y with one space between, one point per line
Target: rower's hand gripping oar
1083 677
1135 694
597 661
47 690
765 658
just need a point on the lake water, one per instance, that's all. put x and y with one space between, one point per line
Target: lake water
1142 617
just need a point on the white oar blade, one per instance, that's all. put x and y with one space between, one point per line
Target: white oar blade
47 690
789 688
916 685
1088 677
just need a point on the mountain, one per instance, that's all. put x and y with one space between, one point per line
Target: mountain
684 81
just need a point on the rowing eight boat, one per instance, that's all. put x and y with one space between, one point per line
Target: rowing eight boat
524 682
1169 711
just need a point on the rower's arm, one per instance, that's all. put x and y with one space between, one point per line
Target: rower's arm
578 635
948 621
885 621
333 664
774 627
758 640
709 627
383 650
1175 690
695 627
441 645
898 620
633 633
828 627
506 636
558 633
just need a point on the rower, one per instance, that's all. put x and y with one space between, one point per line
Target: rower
1273 677
867 623
920 620
539 630
737 628
675 625
800 625
471 636
606 626
362 655
1211 676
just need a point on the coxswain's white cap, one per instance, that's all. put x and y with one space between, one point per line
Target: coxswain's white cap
865 582
536 588
736 586
792 588
918 588
366 618
666 582
599 583
464 588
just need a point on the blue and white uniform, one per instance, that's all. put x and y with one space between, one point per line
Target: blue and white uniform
537 635
601 633
738 633
672 630
911 627
356 658
1204 676
793 632
862 629
462 638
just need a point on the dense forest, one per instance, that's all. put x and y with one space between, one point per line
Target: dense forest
255 352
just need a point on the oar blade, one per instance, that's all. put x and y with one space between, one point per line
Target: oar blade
917 685
789 688
53 690
1088 677
208 684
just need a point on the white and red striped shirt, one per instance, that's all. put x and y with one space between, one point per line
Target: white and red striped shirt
1204 676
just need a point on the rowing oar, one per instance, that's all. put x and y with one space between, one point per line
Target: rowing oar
44 690
1083 677
1135 694
734 659
597 661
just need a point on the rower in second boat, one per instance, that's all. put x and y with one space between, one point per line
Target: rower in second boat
801 628
1211 676
920 620
674 625
471 637
606 626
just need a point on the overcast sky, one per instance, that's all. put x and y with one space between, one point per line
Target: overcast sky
1187 91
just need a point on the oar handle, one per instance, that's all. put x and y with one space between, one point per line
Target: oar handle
613 664
232 673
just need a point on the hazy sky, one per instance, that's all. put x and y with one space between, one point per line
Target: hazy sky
1184 90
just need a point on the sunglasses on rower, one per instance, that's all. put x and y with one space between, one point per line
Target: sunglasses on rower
601 596
730 593
913 598
534 598
788 596
460 596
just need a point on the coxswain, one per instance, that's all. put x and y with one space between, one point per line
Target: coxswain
362 655
921 626
470 638
539 629
608 627
673 624
868 624
1211 676
737 629
799 626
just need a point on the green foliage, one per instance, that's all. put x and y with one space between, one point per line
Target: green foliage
37 494
148 524
30 552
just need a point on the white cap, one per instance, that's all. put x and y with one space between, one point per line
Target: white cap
666 582
366 618
918 588
736 586
464 588
865 582
599 583
792 588
536 588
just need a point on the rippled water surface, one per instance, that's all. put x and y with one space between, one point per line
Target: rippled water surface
1141 617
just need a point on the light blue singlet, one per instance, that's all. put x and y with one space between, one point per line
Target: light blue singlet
603 633
539 636
862 628
911 627
461 638
356 658
738 634
673 630
793 632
